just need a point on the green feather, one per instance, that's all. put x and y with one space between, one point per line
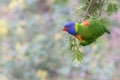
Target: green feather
106 30
95 29
76 26
104 24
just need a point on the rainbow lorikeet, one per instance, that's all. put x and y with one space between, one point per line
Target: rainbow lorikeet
87 31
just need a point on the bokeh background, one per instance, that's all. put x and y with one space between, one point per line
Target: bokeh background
33 47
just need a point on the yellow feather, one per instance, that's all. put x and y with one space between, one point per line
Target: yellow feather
76 27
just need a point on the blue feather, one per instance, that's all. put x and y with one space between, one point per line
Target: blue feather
70 28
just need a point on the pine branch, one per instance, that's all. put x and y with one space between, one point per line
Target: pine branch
97 9
89 6
77 55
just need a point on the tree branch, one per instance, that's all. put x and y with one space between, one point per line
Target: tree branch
87 11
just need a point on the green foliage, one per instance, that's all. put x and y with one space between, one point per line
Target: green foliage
95 7
112 7
100 9
61 2
77 56
73 48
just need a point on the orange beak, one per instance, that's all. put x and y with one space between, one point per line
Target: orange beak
64 29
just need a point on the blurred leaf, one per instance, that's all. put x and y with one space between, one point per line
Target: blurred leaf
17 45
22 3
19 31
57 36
42 74
60 1
12 4
2 77
3 27
77 56
112 7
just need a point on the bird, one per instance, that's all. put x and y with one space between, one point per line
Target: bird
87 31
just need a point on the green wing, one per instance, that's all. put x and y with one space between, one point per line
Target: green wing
84 43
102 22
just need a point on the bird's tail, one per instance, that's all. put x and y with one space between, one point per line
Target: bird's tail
106 30
104 23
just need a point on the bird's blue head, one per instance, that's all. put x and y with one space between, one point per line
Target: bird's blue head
69 27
